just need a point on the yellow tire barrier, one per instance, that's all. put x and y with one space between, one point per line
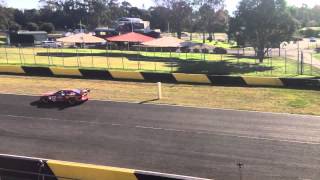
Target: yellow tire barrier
262 81
65 71
192 78
126 75
12 69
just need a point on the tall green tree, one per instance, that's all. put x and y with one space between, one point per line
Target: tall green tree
180 12
31 26
264 24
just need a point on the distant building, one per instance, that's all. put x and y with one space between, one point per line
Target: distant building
105 32
125 25
27 37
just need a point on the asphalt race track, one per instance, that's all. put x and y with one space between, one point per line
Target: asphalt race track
186 141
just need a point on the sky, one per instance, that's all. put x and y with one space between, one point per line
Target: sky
231 5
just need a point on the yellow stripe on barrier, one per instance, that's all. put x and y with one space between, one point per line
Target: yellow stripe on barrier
126 75
263 81
65 71
12 69
89 172
192 78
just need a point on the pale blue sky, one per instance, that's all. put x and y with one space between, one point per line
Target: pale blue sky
230 4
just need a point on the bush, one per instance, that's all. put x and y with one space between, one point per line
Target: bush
32 26
219 50
48 27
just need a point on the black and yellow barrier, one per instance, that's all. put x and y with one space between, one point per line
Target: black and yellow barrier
16 167
104 74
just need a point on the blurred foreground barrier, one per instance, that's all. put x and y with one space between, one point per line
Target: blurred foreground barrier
17 167
104 74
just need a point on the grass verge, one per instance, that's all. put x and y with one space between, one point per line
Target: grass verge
242 98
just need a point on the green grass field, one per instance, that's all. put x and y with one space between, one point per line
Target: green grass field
317 56
153 61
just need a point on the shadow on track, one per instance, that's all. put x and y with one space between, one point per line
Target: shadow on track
58 105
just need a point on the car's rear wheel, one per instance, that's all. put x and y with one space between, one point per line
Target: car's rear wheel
44 100
72 101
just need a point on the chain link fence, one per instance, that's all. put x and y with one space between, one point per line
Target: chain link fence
279 62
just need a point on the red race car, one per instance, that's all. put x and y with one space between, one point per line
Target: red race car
71 97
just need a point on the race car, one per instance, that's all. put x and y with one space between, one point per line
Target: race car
71 97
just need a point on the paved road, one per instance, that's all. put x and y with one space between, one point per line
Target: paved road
187 141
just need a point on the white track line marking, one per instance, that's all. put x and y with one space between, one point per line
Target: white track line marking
203 132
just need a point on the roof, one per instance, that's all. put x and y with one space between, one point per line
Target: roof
130 37
32 32
81 38
166 42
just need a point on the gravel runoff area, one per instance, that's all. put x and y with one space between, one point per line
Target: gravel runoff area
241 98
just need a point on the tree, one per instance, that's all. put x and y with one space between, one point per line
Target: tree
211 16
13 26
48 27
159 17
6 15
32 26
264 24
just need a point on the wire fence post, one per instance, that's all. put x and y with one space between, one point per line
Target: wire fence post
122 59
171 62
271 53
5 49
302 63
34 55
139 64
311 65
20 54
92 64
62 56
108 63
285 61
298 63
77 57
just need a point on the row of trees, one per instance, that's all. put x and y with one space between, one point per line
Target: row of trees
174 15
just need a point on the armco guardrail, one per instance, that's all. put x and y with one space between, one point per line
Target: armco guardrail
305 83
16 167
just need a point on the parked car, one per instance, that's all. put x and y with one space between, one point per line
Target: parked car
50 44
219 50
313 39
71 97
